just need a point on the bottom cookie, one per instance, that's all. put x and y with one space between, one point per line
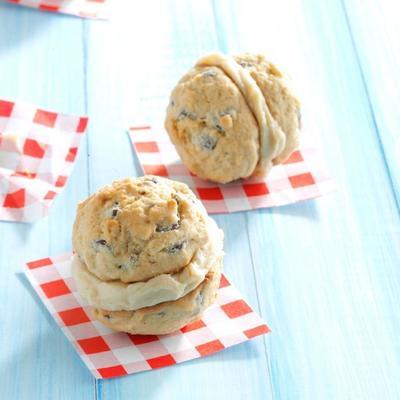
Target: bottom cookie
165 317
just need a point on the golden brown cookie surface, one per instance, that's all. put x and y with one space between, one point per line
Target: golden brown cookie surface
148 258
138 228
230 118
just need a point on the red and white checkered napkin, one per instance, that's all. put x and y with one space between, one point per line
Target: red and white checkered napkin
37 152
109 354
302 177
81 8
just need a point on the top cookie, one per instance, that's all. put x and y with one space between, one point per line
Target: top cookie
136 229
231 118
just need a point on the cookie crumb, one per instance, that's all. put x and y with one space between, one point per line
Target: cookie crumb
175 248
167 228
226 122
186 114
207 142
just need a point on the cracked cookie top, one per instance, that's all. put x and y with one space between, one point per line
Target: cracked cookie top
136 229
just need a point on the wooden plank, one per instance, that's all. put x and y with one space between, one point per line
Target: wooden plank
41 62
327 270
133 62
375 31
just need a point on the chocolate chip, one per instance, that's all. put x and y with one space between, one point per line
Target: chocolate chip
114 210
160 314
101 245
209 73
107 316
216 123
149 181
246 64
220 129
133 259
175 248
207 142
200 298
186 114
167 228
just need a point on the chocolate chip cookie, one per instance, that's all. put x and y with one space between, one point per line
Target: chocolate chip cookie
143 243
233 117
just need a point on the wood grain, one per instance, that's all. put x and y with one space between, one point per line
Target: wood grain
324 274
378 56
328 279
41 62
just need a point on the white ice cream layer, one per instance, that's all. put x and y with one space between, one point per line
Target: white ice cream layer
116 295
272 139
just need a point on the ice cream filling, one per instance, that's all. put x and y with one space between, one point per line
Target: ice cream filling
272 138
117 295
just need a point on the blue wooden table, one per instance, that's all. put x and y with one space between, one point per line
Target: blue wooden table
324 274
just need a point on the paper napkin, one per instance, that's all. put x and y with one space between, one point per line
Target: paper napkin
37 152
110 354
302 177
80 8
